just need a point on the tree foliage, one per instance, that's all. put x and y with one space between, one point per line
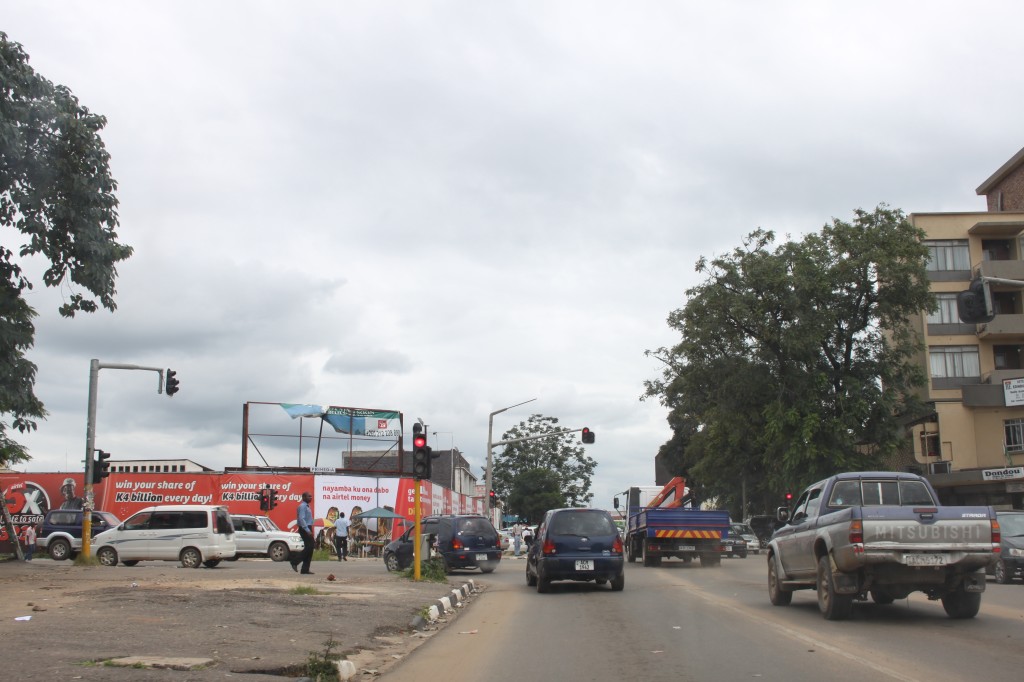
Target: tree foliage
534 491
56 189
515 479
796 361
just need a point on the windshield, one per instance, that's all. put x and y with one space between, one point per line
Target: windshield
268 524
1011 525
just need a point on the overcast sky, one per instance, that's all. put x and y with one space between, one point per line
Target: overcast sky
446 208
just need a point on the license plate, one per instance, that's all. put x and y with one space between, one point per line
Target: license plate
925 559
687 548
585 565
481 557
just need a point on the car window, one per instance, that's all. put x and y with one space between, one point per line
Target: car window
138 522
813 502
222 522
1012 525
164 520
845 494
915 492
63 518
582 523
476 527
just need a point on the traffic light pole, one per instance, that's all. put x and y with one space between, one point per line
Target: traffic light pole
90 442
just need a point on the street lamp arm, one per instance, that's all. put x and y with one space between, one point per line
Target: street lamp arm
543 435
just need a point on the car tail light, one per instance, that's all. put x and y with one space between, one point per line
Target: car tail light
549 546
997 537
617 545
456 544
856 532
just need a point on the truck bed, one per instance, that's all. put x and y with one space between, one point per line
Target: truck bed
679 523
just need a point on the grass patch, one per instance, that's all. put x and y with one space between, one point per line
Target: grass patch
431 570
303 589
82 560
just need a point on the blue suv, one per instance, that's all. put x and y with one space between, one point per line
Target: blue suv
462 541
576 544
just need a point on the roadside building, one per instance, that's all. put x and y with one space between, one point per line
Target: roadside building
971 444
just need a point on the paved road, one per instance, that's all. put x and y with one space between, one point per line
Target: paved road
683 622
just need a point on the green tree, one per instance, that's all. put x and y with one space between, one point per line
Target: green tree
797 361
56 189
562 455
534 491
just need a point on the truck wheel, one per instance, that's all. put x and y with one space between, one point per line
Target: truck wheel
1003 577
833 606
777 594
960 604
650 559
60 549
710 560
630 552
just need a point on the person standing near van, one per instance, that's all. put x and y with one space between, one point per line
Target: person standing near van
517 537
341 536
304 518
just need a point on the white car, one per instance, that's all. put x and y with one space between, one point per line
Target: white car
259 536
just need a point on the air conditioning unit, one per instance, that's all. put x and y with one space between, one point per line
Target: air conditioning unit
938 468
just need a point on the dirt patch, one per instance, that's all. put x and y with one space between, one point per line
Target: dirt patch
254 619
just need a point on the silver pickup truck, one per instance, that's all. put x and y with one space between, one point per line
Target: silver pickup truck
881 534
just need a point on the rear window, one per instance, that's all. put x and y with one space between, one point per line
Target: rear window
582 523
64 519
222 523
879 493
476 527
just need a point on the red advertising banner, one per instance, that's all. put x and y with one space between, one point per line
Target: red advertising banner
29 496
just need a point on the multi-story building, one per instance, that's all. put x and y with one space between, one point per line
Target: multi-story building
971 445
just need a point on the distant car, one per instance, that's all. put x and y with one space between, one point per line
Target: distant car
462 541
506 539
735 546
746 533
1010 564
576 544
259 536
61 535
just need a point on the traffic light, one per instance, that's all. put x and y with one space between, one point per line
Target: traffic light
265 499
172 383
421 459
789 499
974 306
494 499
587 436
273 499
101 467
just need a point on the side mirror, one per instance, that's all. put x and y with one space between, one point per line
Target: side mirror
782 514
615 502
974 306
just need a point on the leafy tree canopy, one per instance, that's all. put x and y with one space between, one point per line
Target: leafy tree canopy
56 190
534 491
561 455
796 361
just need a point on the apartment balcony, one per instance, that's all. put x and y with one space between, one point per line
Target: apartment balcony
989 393
1005 269
1003 329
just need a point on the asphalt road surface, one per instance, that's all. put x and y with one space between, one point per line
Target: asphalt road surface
683 622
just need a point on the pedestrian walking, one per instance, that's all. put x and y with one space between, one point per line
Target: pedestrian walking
341 525
517 537
304 518
28 538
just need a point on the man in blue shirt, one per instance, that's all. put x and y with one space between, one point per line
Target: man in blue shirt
304 517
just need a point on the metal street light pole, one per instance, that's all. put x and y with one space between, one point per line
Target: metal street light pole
490 460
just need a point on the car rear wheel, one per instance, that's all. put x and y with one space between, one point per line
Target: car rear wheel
391 562
531 579
191 558
618 582
832 605
960 604
776 593
60 549
107 556
1003 576
278 551
543 584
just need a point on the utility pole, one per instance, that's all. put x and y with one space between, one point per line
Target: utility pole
90 439
490 460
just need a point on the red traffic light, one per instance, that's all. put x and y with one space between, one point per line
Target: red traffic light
789 497
419 441
587 436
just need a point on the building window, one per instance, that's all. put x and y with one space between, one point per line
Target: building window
1014 435
946 312
950 254
1006 357
954 361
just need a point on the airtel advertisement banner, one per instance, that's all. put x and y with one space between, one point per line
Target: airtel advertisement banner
388 502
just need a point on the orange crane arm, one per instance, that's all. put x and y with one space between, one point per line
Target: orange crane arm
672 495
